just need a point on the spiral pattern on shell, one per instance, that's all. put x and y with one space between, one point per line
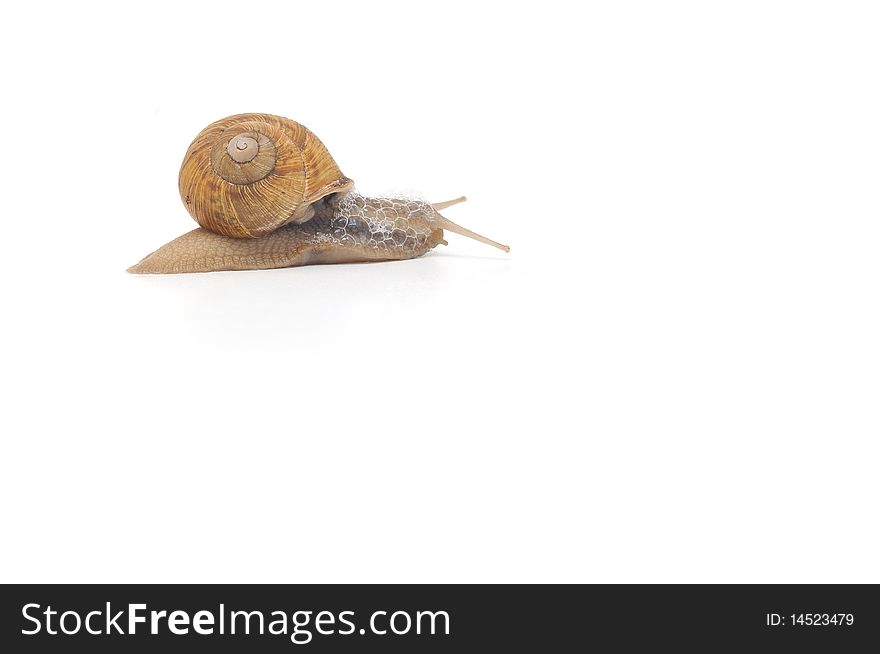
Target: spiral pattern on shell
246 175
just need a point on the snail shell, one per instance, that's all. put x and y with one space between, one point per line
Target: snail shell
246 175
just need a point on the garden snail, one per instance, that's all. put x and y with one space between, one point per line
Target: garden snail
267 194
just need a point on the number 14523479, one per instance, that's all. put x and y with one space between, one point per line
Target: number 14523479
810 620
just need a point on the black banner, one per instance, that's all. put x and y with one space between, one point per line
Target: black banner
437 618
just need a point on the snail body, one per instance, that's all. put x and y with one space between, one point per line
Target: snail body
268 194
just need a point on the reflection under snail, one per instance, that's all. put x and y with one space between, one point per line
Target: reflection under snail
267 194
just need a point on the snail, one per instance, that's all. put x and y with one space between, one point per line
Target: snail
267 194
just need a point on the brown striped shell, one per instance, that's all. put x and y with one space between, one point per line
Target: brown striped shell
246 175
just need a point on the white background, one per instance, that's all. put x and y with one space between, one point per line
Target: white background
673 376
